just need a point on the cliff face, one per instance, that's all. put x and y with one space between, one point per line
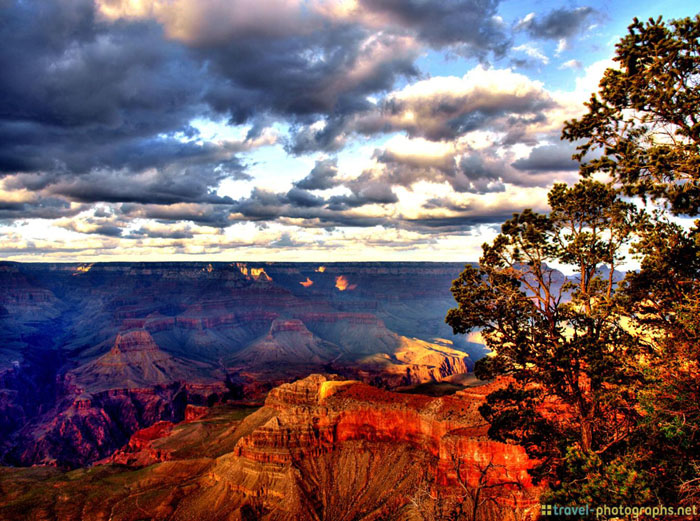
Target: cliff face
93 426
312 425
319 448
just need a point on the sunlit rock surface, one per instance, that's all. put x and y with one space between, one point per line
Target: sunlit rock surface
319 448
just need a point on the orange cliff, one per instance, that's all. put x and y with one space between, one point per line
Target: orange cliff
311 426
319 448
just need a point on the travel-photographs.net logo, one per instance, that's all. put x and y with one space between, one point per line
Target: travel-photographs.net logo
608 512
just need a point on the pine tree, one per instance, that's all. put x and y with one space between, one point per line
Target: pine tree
602 376
646 122
561 345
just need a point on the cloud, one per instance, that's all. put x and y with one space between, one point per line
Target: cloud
218 216
128 122
299 197
159 231
549 158
94 106
571 64
322 177
37 208
532 52
558 24
462 211
466 168
100 112
68 81
324 134
366 189
443 108
168 186
322 74
287 241
471 25
92 226
202 22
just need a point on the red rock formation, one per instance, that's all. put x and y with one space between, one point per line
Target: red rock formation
194 412
317 417
96 424
139 451
320 448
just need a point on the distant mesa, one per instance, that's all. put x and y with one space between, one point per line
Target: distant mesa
135 340
287 342
134 361
253 273
341 282
84 268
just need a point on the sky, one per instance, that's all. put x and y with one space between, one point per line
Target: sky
289 130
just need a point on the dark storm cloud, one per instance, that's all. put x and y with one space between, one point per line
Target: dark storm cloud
217 216
160 234
475 172
75 92
559 23
308 210
167 186
479 173
305 139
109 230
298 197
381 194
307 75
470 25
450 216
549 158
88 106
366 189
95 227
91 111
322 177
264 206
472 171
42 208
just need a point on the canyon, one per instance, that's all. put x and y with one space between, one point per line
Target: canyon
245 391
92 353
